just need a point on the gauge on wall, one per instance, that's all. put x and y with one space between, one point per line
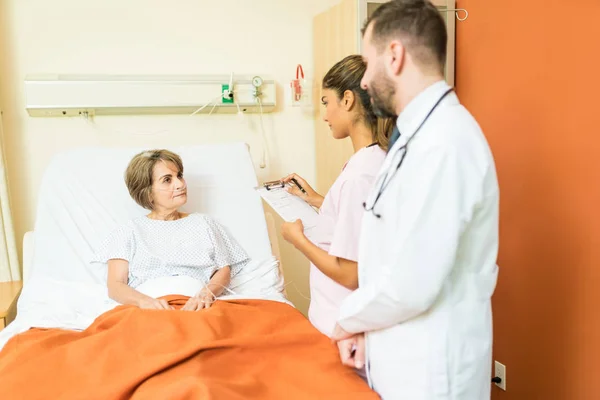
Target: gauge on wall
257 81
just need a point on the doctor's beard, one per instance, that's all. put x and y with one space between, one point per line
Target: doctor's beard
382 93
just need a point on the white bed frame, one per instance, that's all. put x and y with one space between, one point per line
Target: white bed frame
28 241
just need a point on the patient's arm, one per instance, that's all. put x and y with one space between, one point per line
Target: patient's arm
121 292
219 281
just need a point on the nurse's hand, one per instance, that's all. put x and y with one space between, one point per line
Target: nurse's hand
293 232
311 196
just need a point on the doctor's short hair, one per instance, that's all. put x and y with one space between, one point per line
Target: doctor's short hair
418 24
138 175
347 75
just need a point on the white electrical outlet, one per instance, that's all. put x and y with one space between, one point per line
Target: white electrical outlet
500 372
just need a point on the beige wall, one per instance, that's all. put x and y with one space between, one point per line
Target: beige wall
154 37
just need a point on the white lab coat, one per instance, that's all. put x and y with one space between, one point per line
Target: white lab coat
427 267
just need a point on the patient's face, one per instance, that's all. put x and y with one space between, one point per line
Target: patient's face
169 190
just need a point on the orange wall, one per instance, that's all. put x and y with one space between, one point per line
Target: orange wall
529 72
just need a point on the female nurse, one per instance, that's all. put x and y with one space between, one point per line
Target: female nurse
333 252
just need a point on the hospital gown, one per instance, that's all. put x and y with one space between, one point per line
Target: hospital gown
196 246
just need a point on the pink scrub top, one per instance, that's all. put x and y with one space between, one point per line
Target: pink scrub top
338 230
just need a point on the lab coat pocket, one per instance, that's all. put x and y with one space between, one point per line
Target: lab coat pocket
470 349
440 375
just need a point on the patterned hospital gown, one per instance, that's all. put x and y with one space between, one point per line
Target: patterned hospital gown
196 246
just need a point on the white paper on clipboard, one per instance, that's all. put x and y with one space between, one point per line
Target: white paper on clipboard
291 208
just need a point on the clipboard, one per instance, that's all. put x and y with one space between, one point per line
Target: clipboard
288 206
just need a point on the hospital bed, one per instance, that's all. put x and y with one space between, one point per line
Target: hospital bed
252 343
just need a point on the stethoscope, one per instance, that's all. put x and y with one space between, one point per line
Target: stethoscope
402 151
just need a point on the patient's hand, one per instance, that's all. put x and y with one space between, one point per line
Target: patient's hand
202 300
154 304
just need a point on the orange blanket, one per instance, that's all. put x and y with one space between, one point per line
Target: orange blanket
246 349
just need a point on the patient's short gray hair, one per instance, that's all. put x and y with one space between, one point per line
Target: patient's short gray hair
138 175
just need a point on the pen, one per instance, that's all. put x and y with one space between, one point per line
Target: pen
297 184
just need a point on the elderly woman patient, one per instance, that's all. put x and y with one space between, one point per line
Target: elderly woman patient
167 242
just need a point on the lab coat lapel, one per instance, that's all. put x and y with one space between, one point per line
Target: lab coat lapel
406 125
416 111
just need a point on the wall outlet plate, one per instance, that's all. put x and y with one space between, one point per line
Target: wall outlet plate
224 91
500 372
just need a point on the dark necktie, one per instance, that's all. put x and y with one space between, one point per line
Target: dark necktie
394 137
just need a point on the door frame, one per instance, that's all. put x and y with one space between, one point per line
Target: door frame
443 6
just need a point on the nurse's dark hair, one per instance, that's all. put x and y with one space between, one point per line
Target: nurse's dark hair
418 24
346 75
138 175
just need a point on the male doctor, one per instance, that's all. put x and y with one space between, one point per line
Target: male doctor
421 317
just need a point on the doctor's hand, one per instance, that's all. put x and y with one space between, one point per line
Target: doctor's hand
293 232
340 334
351 347
202 300
352 351
311 197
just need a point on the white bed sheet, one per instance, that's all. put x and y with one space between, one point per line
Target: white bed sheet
83 197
